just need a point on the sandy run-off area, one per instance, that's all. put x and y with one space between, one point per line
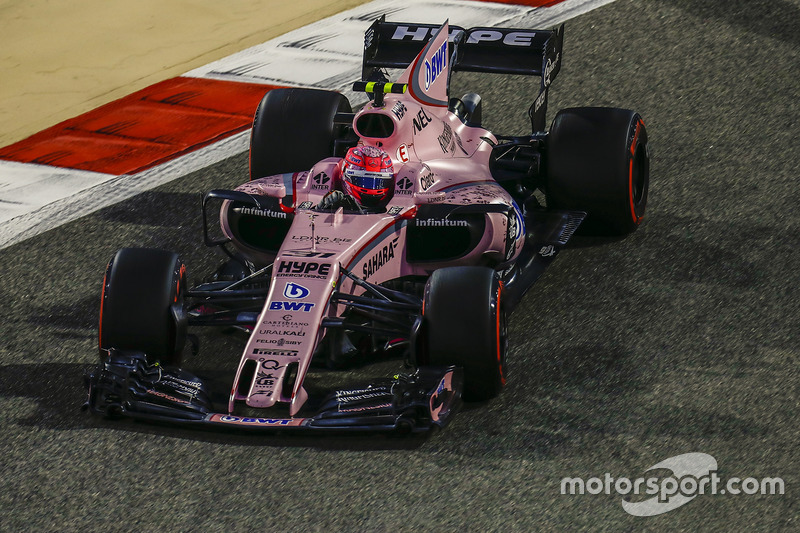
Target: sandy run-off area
61 59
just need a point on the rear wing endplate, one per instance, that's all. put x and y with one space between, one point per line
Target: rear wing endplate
491 50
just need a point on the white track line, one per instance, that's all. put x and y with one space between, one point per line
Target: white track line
327 54
26 218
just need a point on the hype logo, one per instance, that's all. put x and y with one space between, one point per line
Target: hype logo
295 291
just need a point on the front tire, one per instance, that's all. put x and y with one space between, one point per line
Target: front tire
141 306
464 324
597 162
293 130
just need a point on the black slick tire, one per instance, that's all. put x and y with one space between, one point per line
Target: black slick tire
141 304
293 129
464 325
598 162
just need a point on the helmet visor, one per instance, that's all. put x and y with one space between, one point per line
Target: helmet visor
367 179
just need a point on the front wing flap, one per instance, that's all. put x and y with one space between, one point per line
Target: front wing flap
126 385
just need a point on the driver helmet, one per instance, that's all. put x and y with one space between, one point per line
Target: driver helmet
368 175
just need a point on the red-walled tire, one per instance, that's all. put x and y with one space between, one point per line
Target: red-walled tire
141 305
464 324
597 162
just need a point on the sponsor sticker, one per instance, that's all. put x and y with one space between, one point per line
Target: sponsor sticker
403 186
399 110
270 364
303 307
274 353
284 323
365 408
260 212
265 379
421 121
516 227
402 153
278 342
283 332
441 396
426 181
446 138
547 251
303 269
441 223
167 397
540 100
509 38
322 239
295 291
360 397
380 258
308 253
247 421
321 182
549 67
436 65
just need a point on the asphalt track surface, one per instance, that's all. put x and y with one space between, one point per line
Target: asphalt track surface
681 338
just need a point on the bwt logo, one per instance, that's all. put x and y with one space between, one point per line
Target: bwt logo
436 65
255 421
295 291
291 306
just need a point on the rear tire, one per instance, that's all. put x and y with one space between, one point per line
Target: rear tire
597 162
141 307
293 129
464 325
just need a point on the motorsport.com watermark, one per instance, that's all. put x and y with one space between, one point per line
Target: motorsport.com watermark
693 474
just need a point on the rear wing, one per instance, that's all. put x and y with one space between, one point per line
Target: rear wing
492 50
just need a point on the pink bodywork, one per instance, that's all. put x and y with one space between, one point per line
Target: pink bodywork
437 159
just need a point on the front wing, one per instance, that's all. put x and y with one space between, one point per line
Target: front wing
126 385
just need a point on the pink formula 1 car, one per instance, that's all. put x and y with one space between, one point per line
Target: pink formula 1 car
405 228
